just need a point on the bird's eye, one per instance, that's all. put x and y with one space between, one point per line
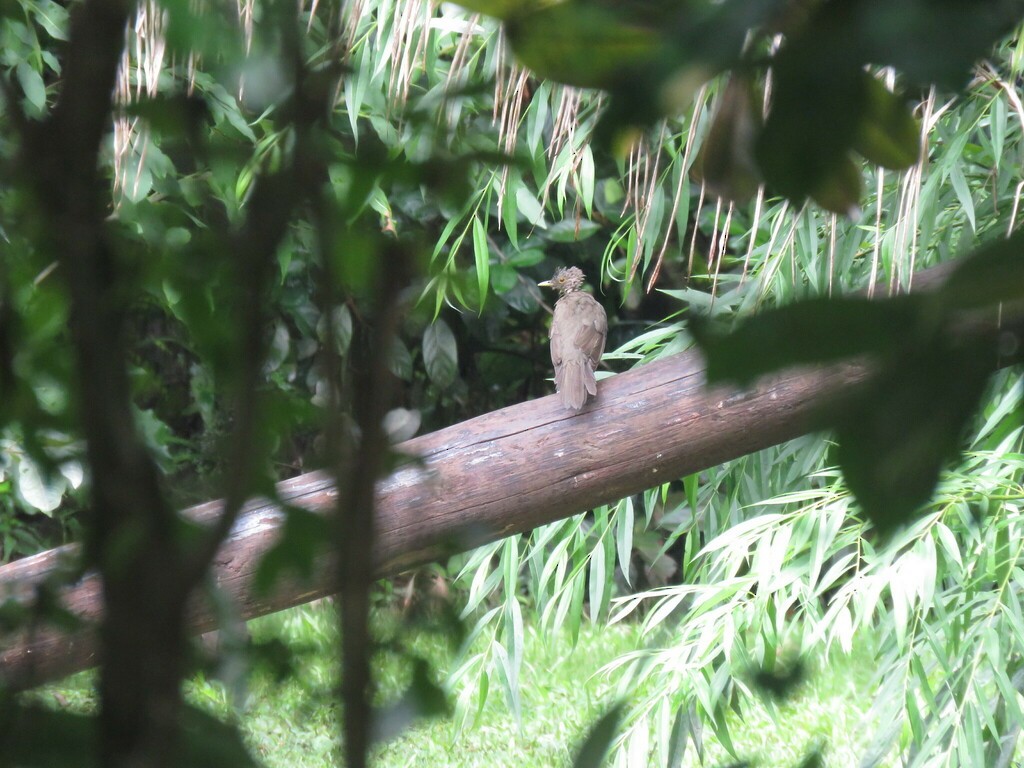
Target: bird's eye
561 279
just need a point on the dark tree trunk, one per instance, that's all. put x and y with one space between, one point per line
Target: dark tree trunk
143 640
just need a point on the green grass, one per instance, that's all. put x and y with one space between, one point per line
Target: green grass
561 694
293 724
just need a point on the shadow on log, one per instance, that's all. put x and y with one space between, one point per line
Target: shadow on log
498 474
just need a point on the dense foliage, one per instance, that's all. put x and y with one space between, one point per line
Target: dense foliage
291 203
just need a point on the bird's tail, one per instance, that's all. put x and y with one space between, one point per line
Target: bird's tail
574 381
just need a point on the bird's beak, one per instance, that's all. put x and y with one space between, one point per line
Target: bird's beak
545 284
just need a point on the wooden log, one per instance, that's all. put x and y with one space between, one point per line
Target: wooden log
498 474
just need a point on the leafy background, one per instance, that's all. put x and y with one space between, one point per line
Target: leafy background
749 566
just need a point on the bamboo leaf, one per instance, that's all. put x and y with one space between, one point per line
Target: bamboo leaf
587 179
624 535
482 257
963 194
598 581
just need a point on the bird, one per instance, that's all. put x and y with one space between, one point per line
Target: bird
578 332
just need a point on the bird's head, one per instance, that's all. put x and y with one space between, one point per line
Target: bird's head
565 280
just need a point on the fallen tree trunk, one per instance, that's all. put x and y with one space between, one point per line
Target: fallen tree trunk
492 476
502 473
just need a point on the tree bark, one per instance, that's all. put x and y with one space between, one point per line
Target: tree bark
498 474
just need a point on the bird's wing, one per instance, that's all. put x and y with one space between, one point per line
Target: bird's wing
557 338
593 331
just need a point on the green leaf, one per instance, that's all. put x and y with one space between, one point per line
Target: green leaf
400 361
929 42
572 230
509 679
38 492
782 681
510 212
595 746
304 537
817 101
208 743
888 135
521 298
587 179
231 111
440 353
897 435
53 18
838 188
42 738
624 535
599 576
963 193
992 275
33 86
581 44
813 331
499 9
530 209
482 257
685 726
527 258
424 698
813 759
726 162
503 278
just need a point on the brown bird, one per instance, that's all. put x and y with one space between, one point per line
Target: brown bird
578 332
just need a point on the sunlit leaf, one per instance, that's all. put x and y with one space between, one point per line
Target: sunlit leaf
41 494
482 258
586 176
624 536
